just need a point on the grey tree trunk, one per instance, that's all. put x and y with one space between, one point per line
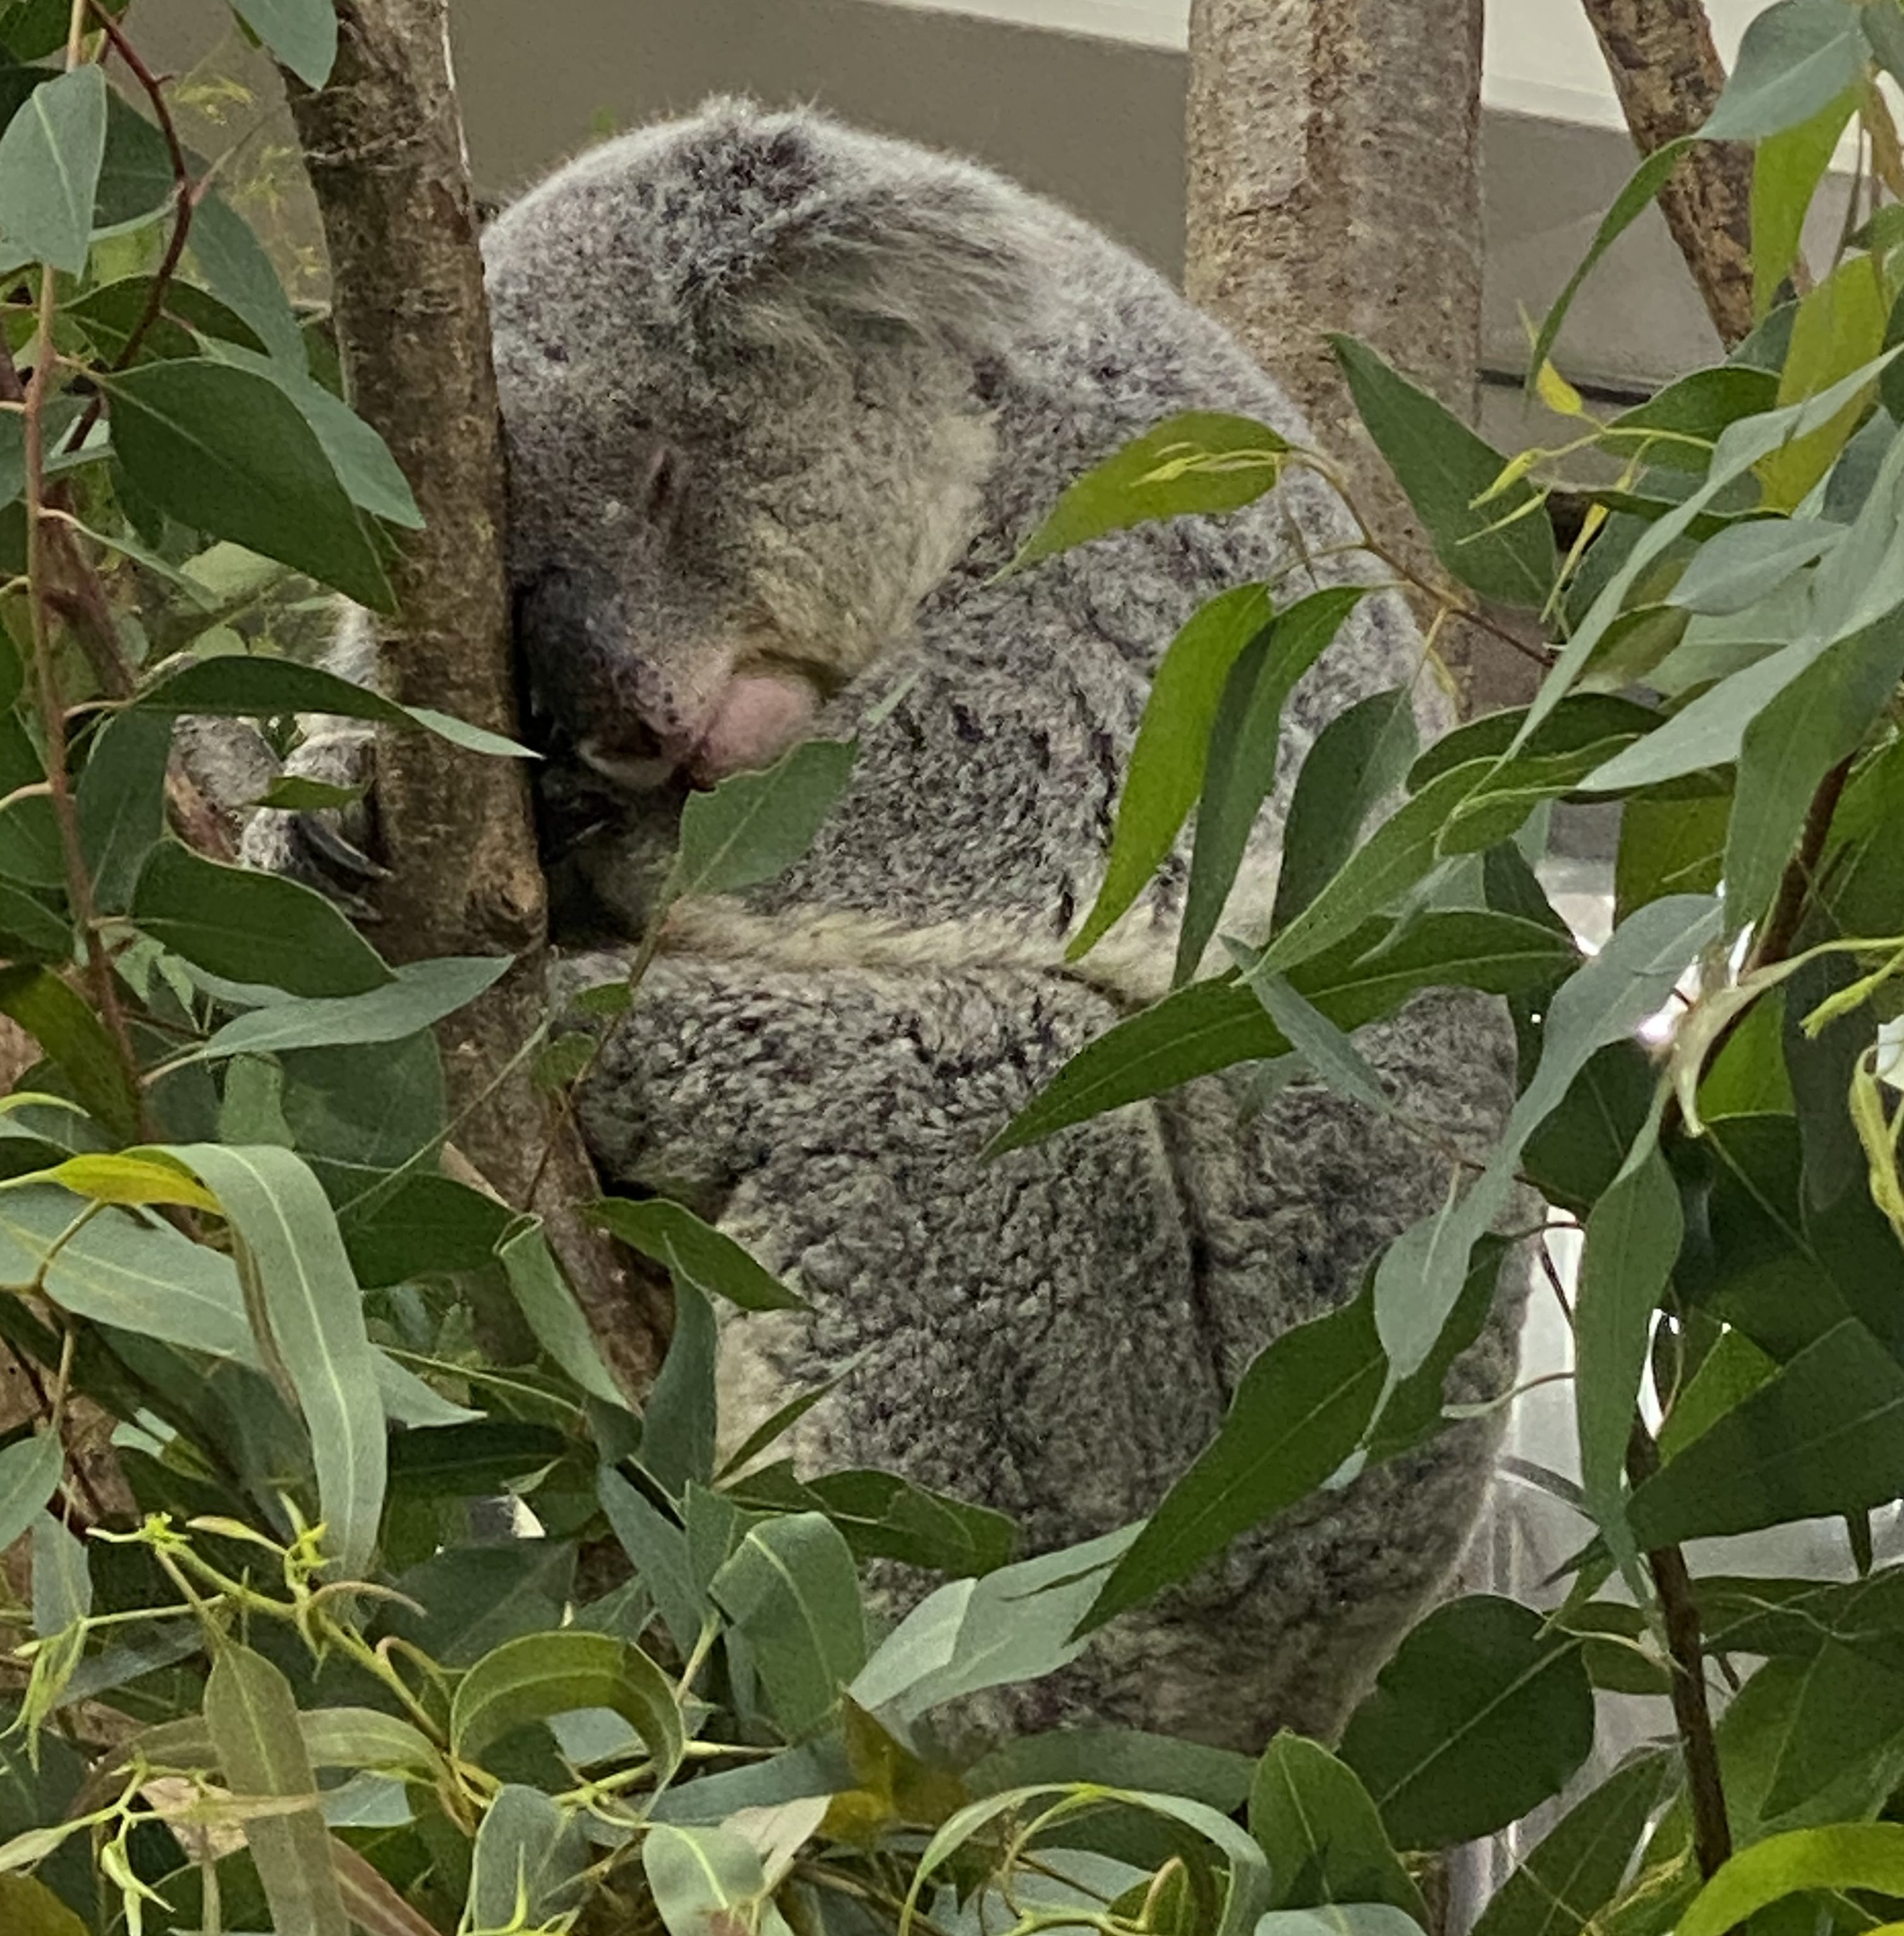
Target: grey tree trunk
1334 184
383 144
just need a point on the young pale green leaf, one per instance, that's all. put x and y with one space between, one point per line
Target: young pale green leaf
792 1592
672 1235
1016 1624
1786 169
63 1579
278 1211
242 685
76 1039
549 1308
1865 1856
28 1908
1199 462
1325 1842
302 34
1419 1281
1299 1412
132 1176
253 1718
1826 1436
1242 743
658 1549
122 804
1628 206
418 997
28 1472
678 1418
253 927
706 1881
1797 57
542 1675
226 452
1634 1235
1482 1714
1569 1877
1212 1025
526 1869
1357 761
1166 769
754 826
1728 1375
1502 547
1818 720
49 159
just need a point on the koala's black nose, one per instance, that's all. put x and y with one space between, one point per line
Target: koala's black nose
567 646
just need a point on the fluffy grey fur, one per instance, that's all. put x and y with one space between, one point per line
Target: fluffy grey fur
781 401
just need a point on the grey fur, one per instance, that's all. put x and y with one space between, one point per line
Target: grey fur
784 397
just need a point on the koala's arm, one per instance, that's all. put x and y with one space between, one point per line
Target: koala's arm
1056 1333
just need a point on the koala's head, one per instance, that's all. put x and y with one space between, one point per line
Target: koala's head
737 357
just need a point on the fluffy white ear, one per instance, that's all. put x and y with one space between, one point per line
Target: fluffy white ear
803 227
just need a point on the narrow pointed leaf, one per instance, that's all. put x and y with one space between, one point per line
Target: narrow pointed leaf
419 995
672 1235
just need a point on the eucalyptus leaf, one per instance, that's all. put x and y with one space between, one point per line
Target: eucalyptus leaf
50 156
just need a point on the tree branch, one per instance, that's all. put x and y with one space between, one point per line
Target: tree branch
383 144
1668 76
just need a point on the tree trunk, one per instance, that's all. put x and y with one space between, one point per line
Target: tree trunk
1334 184
383 143
1668 76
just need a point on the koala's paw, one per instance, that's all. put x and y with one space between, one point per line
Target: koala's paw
332 849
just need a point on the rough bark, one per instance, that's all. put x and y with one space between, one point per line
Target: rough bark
1334 184
1668 76
383 144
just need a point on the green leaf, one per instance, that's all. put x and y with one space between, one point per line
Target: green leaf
1200 462
418 995
1826 1436
30 1471
1850 1704
50 159
226 452
1299 1412
1797 57
1419 1281
1736 568
1482 1714
658 1551
705 1882
253 1718
1357 761
542 1675
360 458
1325 1842
1503 547
245 684
678 1418
754 826
28 1908
1166 769
1212 1025
1698 406
672 1235
526 1869
76 1039
479 1458
792 1591
1847 1856
543 1297
1563 1883
122 803
1123 1758
311 1302
62 1580
233 265
1839 325
1016 1624
475 1598
1243 744
302 34
1729 1373
1326 1050
1786 169
253 927
884 1517
1815 722
1633 1235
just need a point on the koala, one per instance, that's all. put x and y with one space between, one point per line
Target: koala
782 399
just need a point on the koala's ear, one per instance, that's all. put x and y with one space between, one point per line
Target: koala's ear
811 227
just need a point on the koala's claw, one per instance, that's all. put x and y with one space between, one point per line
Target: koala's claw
339 856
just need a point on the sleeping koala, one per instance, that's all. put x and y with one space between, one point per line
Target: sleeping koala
781 400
